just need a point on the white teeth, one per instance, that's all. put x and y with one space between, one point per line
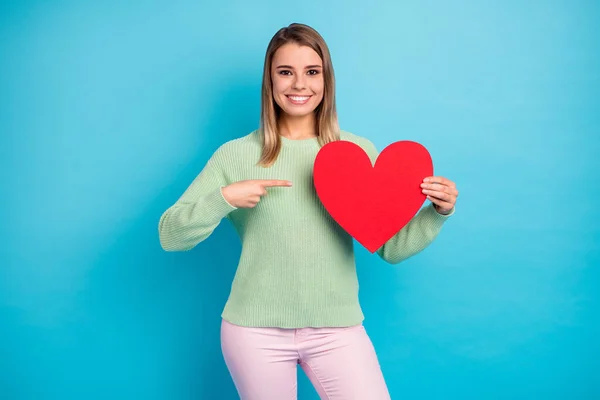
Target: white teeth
298 98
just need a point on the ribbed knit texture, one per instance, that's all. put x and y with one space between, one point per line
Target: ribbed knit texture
297 266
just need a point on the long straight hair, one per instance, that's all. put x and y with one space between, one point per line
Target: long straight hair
327 127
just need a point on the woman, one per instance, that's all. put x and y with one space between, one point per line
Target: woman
294 297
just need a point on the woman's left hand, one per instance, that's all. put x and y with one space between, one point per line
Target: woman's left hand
441 192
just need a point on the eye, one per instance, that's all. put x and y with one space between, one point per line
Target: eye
310 72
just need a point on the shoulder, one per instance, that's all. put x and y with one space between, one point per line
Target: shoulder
238 146
235 144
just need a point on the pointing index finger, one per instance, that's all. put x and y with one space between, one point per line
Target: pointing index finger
274 182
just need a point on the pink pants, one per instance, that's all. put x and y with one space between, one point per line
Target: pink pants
340 362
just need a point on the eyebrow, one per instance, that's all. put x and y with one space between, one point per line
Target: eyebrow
307 67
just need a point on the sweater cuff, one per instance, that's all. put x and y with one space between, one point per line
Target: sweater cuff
225 200
218 205
443 215
433 216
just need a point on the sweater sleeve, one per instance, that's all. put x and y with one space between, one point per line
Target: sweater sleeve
417 234
198 211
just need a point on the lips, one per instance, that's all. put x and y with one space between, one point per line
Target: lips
298 100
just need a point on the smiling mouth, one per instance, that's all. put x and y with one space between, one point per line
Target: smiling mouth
298 100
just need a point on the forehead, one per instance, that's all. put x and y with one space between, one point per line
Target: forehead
296 55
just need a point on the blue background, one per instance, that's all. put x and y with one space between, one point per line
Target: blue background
109 110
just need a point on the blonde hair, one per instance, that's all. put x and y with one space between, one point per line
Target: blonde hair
327 127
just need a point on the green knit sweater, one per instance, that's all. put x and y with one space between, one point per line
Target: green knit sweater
297 267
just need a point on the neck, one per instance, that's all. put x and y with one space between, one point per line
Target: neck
302 127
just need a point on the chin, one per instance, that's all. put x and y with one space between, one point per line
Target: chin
295 111
298 113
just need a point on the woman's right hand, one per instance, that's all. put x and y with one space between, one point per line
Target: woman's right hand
247 194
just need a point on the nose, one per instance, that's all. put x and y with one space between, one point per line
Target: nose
299 82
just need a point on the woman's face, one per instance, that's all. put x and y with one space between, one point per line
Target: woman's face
297 76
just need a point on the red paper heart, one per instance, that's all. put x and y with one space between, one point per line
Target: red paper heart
372 203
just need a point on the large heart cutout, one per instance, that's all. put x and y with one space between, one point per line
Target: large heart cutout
372 203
